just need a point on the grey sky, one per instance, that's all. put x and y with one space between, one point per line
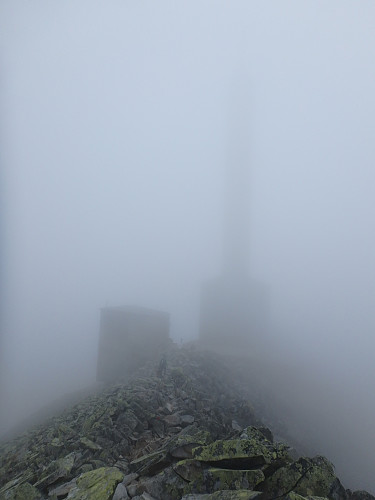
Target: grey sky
115 125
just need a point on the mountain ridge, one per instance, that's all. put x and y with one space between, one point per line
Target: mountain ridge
193 433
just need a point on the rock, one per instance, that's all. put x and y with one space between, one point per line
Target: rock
172 420
150 464
129 478
121 492
234 453
62 490
23 491
235 426
215 479
123 465
361 495
267 433
85 468
157 426
225 495
166 485
182 445
305 477
209 480
169 407
187 419
294 496
99 484
144 496
90 444
59 469
132 489
176 437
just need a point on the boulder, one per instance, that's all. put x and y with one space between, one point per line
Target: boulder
121 492
99 484
23 491
305 477
150 464
224 495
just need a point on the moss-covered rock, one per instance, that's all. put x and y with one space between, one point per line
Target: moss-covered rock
87 443
215 479
305 477
181 446
242 453
23 491
150 464
99 484
294 496
224 495
202 479
58 469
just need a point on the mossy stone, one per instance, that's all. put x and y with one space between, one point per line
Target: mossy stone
23 491
99 484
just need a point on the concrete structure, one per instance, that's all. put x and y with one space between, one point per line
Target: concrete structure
129 337
234 305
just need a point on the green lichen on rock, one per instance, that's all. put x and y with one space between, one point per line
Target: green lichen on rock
58 469
87 443
151 463
215 479
294 496
224 495
233 449
252 449
305 477
202 479
181 446
98 484
23 491
318 479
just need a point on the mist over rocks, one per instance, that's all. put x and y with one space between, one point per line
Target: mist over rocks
192 434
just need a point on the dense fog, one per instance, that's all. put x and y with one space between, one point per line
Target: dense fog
122 124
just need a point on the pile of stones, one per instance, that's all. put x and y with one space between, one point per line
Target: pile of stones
189 435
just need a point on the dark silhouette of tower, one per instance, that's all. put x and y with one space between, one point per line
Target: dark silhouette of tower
234 305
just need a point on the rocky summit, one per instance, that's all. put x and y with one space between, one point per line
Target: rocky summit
191 434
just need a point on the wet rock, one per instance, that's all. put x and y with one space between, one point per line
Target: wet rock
187 419
23 491
99 484
211 479
129 478
57 470
62 490
239 453
172 420
305 477
90 444
157 425
225 495
144 496
182 445
150 464
178 438
361 495
121 492
235 426
132 489
169 407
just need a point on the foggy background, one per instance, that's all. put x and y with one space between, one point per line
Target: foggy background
115 119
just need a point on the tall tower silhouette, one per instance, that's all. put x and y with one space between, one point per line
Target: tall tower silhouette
234 305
